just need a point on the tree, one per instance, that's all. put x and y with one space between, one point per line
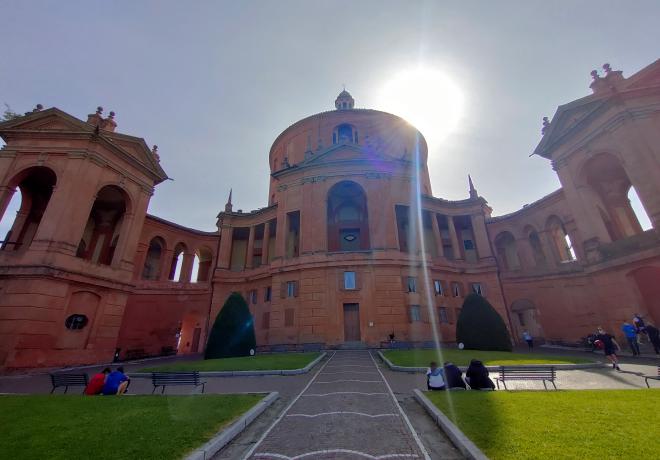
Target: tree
232 333
9 114
480 327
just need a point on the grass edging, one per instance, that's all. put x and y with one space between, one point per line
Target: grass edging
559 367
302 370
224 437
462 442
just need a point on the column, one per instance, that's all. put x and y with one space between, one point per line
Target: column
437 235
186 267
265 242
226 236
482 242
166 264
458 255
250 249
280 236
548 248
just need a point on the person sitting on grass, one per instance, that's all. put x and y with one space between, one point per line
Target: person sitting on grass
434 378
608 346
95 385
477 376
116 382
454 376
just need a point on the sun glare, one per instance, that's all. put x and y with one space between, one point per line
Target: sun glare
426 98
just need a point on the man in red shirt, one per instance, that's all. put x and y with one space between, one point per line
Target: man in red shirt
95 385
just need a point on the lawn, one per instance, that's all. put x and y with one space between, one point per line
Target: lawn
265 362
557 424
105 427
422 358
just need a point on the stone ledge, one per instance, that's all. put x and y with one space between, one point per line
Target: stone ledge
559 367
224 437
462 442
303 370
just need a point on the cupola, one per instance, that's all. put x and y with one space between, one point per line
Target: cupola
344 101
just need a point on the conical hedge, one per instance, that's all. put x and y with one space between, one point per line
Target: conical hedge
232 333
480 327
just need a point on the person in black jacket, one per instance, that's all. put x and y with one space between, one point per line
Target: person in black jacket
654 337
477 376
453 376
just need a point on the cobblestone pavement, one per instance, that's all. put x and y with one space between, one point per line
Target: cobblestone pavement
347 411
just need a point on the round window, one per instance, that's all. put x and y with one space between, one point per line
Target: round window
350 237
74 322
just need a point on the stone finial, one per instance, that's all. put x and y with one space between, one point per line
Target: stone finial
99 110
607 68
473 191
228 205
38 108
96 119
546 125
112 115
109 124
594 75
154 152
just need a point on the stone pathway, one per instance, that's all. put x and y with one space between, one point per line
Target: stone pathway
348 411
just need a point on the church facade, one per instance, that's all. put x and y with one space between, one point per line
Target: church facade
352 248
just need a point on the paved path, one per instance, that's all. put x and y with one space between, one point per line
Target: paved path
348 411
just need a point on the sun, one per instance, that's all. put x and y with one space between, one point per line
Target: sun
426 98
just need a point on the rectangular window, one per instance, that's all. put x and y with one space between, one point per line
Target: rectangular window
477 288
292 289
253 296
415 313
468 245
350 281
411 284
288 317
521 318
268 293
437 287
265 322
456 289
442 315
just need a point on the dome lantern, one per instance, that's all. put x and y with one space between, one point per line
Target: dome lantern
344 101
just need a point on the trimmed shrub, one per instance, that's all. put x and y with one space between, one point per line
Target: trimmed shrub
480 327
232 333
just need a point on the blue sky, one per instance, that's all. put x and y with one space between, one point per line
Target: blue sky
213 83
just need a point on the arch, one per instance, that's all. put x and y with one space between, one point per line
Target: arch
507 251
104 225
204 258
153 260
177 262
36 188
537 247
525 317
562 245
606 177
347 217
345 133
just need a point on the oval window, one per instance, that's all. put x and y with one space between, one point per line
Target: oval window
75 322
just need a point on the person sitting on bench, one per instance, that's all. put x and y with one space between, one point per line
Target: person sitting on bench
434 378
453 376
116 382
477 376
95 386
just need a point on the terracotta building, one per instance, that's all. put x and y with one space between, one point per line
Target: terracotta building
351 248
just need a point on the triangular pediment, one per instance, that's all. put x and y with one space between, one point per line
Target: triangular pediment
51 119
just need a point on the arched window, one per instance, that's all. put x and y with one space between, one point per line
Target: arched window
153 261
562 245
638 209
202 265
536 246
507 252
348 223
101 234
36 187
345 133
177 262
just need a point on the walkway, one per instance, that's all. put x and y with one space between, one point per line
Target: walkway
348 411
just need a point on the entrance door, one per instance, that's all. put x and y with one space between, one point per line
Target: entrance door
195 341
351 322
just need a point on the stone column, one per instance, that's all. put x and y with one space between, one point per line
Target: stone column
437 235
186 267
265 242
480 236
250 249
454 239
226 236
548 248
281 235
166 264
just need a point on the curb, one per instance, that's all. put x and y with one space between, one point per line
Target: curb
303 370
462 442
224 437
559 367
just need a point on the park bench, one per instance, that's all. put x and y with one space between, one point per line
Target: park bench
163 379
68 380
543 373
652 377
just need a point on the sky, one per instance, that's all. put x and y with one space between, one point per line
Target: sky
213 83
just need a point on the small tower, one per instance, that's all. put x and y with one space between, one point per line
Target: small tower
344 101
229 206
473 191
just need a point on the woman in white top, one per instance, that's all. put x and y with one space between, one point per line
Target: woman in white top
434 378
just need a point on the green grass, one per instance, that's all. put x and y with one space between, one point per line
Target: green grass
422 358
107 427
275 361
577 424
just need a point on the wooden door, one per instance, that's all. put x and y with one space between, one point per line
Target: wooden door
195 341
351 322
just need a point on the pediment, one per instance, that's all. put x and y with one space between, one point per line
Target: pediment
46 120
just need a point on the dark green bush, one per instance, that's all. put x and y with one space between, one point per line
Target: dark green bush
480 327
232 333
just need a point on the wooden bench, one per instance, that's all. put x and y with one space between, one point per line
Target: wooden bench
652 377
68 380
543 373
163 379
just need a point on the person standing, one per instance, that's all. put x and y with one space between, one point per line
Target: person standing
527 337
434 378
631 336
609 345
654 337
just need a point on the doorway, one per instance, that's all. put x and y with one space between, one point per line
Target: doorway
351 322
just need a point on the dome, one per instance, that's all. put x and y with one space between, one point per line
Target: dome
344 101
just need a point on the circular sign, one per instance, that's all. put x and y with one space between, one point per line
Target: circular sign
251 351
461 346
